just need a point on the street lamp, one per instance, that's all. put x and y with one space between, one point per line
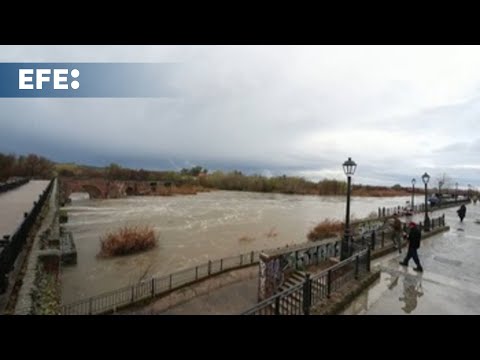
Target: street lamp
469 191
349 168
426 226
440 184
413 192
456 190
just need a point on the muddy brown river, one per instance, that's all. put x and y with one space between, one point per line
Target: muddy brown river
193 229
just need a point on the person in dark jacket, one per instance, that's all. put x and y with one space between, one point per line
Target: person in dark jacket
414 238
461 212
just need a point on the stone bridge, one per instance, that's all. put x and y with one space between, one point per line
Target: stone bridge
111 189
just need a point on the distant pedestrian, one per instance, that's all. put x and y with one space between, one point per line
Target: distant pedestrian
461 212
414 238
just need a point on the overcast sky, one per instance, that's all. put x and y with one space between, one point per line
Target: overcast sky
398 111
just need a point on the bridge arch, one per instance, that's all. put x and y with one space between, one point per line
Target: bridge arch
93 191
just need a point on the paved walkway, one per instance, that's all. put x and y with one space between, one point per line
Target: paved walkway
226 294
450 283
15 202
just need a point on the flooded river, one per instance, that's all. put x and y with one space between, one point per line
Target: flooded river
193 229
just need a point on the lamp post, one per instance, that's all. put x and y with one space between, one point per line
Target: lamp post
440 184
425 179
469 191
456 190
413 192
349 167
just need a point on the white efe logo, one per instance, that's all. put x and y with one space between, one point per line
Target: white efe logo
60 79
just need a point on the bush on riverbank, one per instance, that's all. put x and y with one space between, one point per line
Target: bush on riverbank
326 229
127 240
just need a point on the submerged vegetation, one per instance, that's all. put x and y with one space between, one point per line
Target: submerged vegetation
127 240
326 229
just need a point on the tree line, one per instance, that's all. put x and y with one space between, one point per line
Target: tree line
31 166
35 166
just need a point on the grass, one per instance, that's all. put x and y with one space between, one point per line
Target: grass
127 240
326 229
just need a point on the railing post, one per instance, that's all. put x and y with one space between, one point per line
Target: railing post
357 262
368 260
241 259
329 283
374 235
252 257
221 264
153 287
307 298
170 284
383 238
277 305
133 293
209 267
90 306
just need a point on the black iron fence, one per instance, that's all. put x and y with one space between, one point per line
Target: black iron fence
407 210
382 238
299 299
129 295
4 187
10 246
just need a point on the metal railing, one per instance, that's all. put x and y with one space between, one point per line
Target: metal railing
4 187
148 289
299 299
10 246
382 238
404 210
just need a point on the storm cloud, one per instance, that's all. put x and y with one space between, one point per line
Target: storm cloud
398 111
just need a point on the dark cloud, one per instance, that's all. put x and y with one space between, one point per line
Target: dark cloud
269 110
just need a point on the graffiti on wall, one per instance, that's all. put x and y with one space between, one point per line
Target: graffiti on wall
270 277
273 270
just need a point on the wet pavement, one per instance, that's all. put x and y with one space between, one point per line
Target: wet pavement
450 283
14 203
226 294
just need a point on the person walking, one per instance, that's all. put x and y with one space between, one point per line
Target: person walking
414 238
462 212
397 233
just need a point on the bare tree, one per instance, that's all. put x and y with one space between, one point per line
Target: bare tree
443 181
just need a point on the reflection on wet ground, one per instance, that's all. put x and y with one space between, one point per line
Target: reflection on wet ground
450 283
